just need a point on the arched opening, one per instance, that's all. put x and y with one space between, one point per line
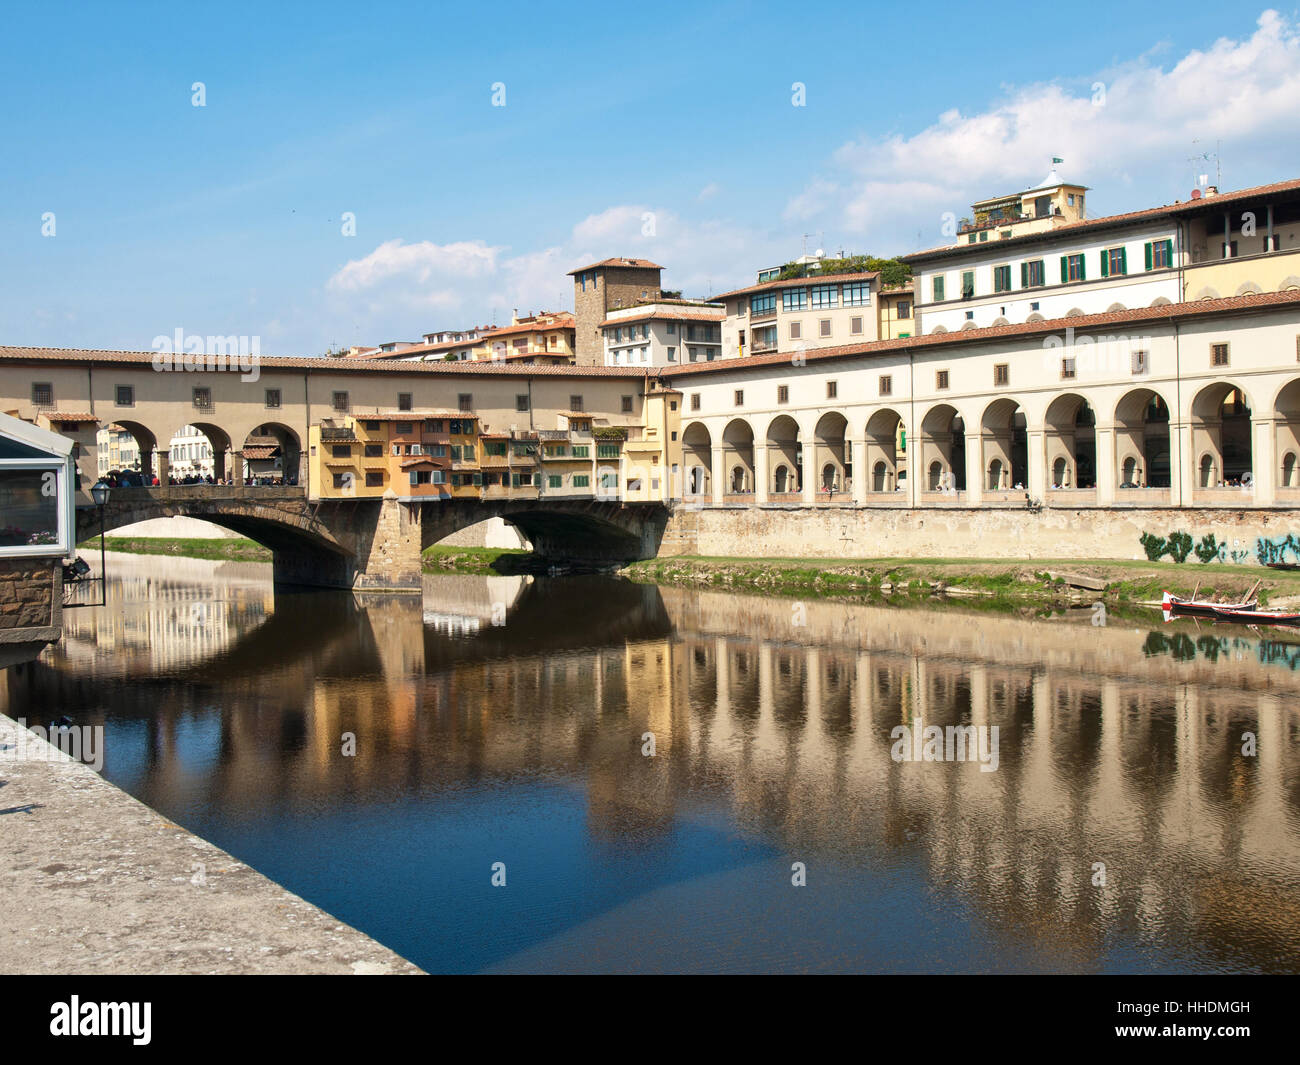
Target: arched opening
127 454
1286 410
943 444
1142 441
1221 434
271 454
196 454
833 455
886 447
785 455
738 452
1071 439
1004 438
697 460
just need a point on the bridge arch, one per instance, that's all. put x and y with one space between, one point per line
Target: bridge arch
831 456
1142 453
697 460
943 448
738 457
1071 440
882 450
1004 444
1221 435
784 456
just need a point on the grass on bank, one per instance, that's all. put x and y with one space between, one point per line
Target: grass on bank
487 560
1127 581
226 549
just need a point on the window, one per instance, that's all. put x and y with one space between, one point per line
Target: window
967 284
521 402
783 393
1033 274
554 480
904 308
43 394
581 480
1067 369
832 389
273 398
672 354
404 401
740 397
203 398
886 384
936 288
1218 354
794 299
824 327
627 404
766 304
1140 362
1002 374
796 330
343 480
695 401
672 328
1159 254
855 325
823 296
374 478
1114 262
608 451
339 401
341 451
375 451
941 379
1072 269
984 235
124 396
465 401
1002 278
695 354
857 294
575 404
371 427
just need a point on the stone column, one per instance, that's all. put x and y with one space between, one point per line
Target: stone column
718 460
1105 438
1264 462
1183 458
760 472
974 468
1036 441
809 484
861 460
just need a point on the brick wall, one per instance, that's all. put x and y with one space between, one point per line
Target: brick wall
614 287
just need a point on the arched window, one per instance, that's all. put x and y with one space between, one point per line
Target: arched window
995 475
1060 471
1207 471
1289 471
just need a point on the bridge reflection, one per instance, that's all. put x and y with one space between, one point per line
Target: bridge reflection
1121 746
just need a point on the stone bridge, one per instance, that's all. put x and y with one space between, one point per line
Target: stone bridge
377 544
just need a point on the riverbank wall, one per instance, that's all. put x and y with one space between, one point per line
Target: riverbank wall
95 882
1247 537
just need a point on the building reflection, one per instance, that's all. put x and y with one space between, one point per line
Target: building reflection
1120 746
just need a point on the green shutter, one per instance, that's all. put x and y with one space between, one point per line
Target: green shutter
1065 269
1024 275
1083 268
1123 260
1169 253
1105 263
1147 252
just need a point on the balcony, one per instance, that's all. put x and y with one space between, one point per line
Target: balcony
762 316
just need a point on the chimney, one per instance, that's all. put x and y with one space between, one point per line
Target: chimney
1212 190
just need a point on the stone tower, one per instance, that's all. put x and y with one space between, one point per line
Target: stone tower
602 287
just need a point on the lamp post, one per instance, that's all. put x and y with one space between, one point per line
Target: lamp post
99 493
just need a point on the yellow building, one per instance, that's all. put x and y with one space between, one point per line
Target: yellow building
652 452
897 310
545 338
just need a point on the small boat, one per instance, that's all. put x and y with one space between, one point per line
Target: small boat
1201 608
1235 612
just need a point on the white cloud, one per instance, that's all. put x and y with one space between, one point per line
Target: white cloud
708 192
1137 126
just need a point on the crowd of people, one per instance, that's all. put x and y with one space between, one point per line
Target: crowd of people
136 479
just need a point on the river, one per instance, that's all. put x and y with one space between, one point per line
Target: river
583 774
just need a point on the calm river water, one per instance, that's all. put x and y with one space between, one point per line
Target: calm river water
1139 813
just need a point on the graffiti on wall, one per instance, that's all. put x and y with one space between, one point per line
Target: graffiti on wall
1179 546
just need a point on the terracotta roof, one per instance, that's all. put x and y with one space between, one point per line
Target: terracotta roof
1204 205
259 452
644 264
796 282
1080 323
561 321
672 316
68 416
321 365
417 460
409 415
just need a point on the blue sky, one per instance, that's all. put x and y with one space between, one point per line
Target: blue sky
669 134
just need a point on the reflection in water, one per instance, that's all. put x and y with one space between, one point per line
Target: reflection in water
504 720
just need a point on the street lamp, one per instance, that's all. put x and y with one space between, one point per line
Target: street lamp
99 493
